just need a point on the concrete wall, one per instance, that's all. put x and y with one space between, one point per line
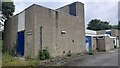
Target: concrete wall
23 21
74 39
30 32
10 33
64 9
105 44
108 43
52 23
79 11
101 44
44 18
94 43
57 43
114 32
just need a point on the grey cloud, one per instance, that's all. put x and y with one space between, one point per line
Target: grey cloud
102 10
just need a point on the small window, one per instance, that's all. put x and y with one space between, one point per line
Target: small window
101 37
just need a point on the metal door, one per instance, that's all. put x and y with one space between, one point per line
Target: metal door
20 48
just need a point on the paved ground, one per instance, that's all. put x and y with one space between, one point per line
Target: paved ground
102 59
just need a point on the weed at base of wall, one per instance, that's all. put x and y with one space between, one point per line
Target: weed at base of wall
44 54
69 54
91 52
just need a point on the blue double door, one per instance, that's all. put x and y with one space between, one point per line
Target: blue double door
20 48
89 41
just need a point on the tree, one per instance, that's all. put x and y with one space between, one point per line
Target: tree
97 24
8 9
115 27
119 25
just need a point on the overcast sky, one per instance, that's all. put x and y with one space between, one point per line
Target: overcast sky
106 10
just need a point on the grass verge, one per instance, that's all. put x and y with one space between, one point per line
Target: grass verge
0 53
8 60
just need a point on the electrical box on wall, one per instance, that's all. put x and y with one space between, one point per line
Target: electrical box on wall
29 33
63 32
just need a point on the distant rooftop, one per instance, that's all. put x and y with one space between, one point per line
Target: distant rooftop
90 32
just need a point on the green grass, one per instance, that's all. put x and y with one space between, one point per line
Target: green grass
8 60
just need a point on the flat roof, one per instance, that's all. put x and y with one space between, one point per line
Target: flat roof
90 31
103 35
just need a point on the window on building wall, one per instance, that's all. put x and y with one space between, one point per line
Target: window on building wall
101 37
109 32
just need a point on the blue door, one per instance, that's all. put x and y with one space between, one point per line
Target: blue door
20 47
89 41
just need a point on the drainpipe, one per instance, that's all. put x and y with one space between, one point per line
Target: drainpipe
41 38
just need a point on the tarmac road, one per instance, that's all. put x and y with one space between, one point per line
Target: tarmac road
109 58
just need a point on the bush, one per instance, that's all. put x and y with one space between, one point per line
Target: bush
115 46
41 55
27 58
44 54
80 54
47 55
90 52
69 54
